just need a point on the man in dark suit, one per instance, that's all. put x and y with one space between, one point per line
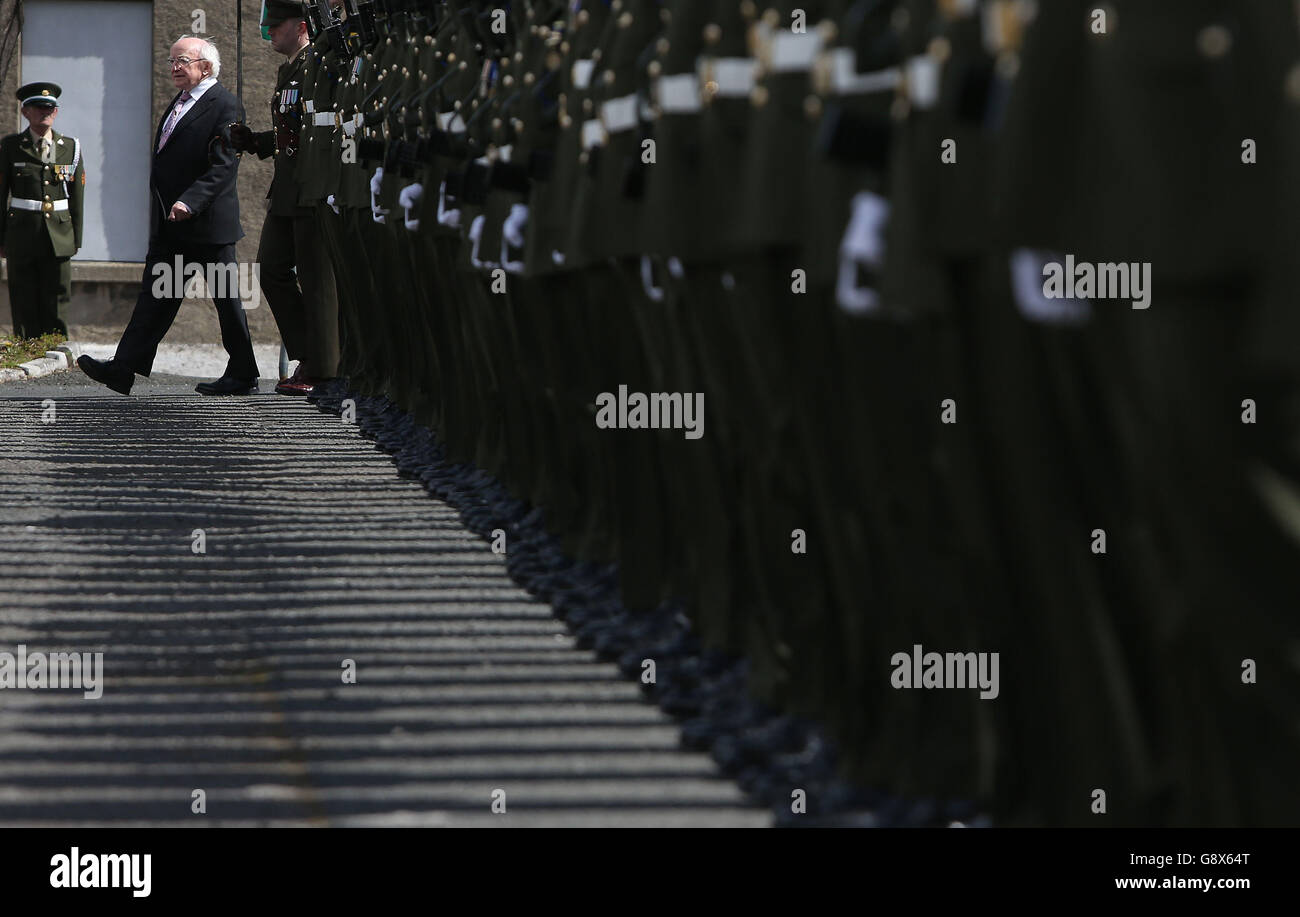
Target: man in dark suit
194 219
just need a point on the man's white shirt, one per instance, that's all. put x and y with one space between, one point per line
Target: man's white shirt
46 153
195 94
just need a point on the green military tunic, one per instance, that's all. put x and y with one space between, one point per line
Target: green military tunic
40 227
284 139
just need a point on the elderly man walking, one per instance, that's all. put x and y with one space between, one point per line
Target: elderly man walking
194 219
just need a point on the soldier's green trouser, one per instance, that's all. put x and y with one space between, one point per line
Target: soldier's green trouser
305 305
39 287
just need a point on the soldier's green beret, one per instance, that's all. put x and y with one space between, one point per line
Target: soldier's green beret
44 95
277 11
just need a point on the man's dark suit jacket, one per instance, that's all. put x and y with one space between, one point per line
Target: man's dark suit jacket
199 171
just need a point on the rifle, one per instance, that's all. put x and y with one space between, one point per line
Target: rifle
363 14
313 22
333 28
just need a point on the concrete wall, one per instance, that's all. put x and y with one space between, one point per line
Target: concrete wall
103 294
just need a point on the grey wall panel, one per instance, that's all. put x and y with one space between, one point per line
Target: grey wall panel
100 52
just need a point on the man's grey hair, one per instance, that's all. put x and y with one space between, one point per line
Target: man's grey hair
208 52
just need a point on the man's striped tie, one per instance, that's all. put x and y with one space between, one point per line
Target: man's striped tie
173 118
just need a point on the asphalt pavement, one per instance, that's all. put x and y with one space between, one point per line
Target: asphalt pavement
236 560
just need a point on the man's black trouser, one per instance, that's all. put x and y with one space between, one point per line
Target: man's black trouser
160 299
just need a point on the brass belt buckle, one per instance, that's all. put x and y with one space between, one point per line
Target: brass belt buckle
47 206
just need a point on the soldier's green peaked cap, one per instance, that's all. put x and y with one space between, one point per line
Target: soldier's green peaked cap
277 11
45 95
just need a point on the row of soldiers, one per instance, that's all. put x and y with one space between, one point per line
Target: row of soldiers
833 219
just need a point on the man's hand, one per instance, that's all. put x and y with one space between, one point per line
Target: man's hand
179 212
241 137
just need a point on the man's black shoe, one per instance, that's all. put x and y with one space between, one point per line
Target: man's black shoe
227 386
118 378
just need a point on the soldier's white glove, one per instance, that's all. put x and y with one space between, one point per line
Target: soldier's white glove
330 200
512 235
409 197
863 245
652 292
446 217
1028 284
475 236
376 182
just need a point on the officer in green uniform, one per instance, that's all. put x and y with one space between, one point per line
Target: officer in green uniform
327 127
305 306
42 184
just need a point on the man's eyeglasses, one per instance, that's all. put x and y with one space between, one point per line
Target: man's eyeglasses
179 61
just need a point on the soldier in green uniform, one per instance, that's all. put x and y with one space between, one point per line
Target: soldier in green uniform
1197 541
305 306
327 129
42 184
